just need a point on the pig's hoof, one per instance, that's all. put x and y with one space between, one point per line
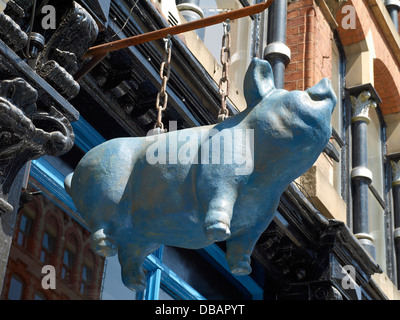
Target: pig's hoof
103 244
218 232
135 284
241 268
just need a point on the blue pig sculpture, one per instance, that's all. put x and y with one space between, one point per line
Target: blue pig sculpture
139 193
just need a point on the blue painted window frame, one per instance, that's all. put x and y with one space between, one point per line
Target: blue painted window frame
158 274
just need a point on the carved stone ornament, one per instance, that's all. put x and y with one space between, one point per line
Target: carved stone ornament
186 189
60 50
395 172
11 33
26 133
360 107
59 59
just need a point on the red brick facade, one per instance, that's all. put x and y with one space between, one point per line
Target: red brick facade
27 255
309 38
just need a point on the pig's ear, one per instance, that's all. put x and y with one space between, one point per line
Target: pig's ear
258 82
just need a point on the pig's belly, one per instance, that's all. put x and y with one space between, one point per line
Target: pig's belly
174 229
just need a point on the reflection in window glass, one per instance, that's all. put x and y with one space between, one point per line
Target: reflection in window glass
199 274
47 248
113 287
39 296
54 231
16 288
164 295
25 227
240 37
87 276
68 262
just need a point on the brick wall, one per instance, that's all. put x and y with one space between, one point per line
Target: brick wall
309 39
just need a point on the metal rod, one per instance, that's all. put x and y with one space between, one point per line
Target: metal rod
99 52
181 28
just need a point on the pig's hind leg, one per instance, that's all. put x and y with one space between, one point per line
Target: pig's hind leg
246 232
131 258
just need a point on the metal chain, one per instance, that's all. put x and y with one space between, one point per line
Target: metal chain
165 70
225 61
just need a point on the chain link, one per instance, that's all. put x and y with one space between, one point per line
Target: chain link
225 62
165 70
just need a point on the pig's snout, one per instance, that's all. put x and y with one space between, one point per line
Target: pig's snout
103 244
323 91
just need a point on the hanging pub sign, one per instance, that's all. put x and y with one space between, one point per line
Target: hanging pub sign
193 187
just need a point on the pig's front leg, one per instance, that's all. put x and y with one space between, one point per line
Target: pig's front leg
238 252
240 245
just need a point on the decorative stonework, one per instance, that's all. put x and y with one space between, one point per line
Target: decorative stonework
30 128
11 33
360 106
59 59
395 172
26 133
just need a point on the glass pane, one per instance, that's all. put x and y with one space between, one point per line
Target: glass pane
25 227
375 151
113 287
28 262
198 273
335 79
164 295
377 225
337 171
240 37
15 290
39 296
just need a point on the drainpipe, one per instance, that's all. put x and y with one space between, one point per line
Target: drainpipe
393 7
191 11
396 214
361 177
277 53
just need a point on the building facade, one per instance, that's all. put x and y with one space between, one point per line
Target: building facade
335 235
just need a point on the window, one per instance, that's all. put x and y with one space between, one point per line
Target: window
25 227
190 266
16 288
47 251
337 115
376 204
87 278
240 37
39 296
338 136
68 263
